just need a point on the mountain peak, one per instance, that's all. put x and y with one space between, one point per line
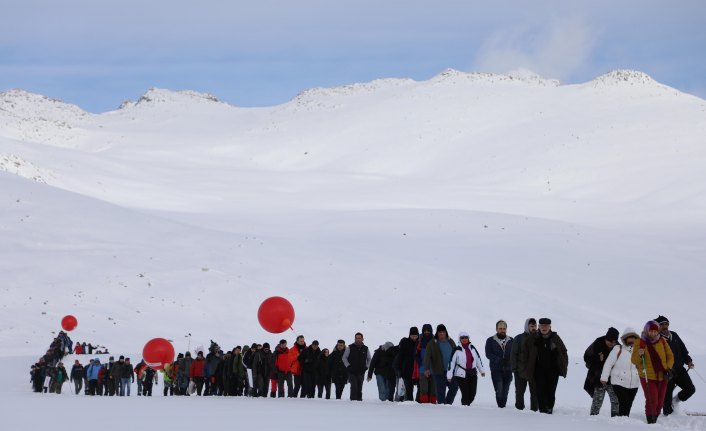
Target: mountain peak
625 76
520 75
23 104
155 96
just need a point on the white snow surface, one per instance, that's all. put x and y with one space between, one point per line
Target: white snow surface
373 207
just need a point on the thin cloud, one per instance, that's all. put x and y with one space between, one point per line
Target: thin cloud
560 50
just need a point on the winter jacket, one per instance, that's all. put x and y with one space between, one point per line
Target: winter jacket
681 354
77 372
127 372
184 367
103 373
93 370
356 358
618 367
60 375
457 367
212 361
592 358
516 362
404 362
139 369
664 352
281 360
336 365
197 368
381 363
308 359
239 368
323 369
433 359
544 355
116 370
261 363
498 351
149 376
168 373
293 355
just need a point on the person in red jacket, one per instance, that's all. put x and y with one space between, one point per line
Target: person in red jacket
78 349
196 373
295 366
282 368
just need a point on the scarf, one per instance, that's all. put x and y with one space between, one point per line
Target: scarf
647 342
469 356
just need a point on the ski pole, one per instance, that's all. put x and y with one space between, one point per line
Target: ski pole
697 373
647 381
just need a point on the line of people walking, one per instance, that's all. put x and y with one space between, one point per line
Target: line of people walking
434 363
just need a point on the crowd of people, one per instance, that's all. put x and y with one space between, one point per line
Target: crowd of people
431 362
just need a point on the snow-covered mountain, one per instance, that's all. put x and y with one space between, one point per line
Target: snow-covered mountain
462 199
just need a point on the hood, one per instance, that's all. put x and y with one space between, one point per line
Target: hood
627 332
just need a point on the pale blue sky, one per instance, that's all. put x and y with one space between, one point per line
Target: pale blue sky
97 53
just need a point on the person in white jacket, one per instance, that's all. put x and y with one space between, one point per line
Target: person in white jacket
464 368
621 373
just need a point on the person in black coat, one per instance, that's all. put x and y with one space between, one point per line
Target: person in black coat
339 374
546 359
77 374
323 374
594 357
404 361
308 359
680 375
381 365
261 370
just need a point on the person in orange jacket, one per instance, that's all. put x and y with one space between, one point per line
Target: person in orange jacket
653 359
295 366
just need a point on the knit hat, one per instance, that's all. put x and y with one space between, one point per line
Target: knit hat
266 346
612 334
253 346
121 357
111 358
545 321
427 327
441 327
315 343
282 341
661 319
387 345
463 334
413 331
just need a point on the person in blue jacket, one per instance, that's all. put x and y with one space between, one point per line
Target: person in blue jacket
497 350
92 374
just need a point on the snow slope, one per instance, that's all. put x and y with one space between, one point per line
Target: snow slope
373 207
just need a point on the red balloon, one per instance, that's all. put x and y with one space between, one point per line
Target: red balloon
275 314
69 323
157 353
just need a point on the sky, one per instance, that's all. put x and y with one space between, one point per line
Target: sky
96 54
